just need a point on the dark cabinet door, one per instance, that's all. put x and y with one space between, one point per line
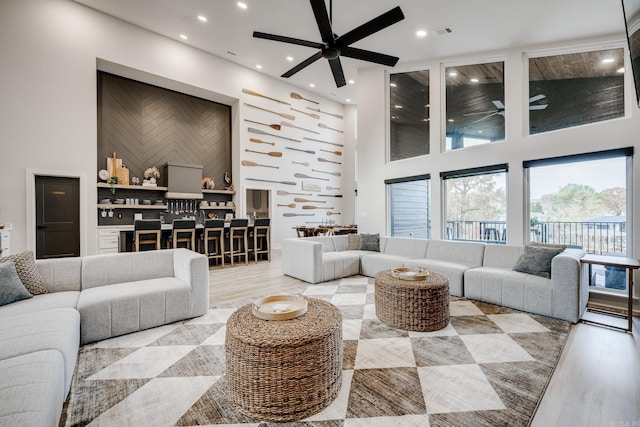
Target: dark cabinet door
57 217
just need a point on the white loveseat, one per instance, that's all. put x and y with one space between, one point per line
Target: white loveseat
478 271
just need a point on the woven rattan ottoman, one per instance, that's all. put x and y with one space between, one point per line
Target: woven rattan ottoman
420 305
284 370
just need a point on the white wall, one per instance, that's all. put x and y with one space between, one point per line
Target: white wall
373 130
50 52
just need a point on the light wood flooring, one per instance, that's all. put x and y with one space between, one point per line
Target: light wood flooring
596 382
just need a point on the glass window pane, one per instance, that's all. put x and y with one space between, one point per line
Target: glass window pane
409 207
582 204
476 208
409 113
475 105
575 89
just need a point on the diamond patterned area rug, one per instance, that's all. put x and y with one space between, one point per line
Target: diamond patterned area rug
489 366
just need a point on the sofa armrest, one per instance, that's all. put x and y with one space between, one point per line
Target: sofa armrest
193 268
302 259
570 291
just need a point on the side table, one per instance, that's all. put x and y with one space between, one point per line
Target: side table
629 264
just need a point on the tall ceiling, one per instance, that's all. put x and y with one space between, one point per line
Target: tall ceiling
478 26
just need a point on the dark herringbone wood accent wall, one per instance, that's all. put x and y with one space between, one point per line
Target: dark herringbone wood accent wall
149 126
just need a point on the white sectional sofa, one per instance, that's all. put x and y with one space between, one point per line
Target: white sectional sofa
88 299
478 271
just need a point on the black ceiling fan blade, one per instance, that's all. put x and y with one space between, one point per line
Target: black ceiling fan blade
284 39
310 60
367 55
376 24
322 19
338 73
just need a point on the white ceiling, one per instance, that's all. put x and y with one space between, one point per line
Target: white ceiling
478 26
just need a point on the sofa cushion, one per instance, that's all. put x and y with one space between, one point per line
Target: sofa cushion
451 270
407 247
370 242
61 274
336 265
374 262
28 272
42 302
354 242
32 390
501 256
537 260
326 241
11 288
467 253
100 270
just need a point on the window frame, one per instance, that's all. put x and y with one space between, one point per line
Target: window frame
391 181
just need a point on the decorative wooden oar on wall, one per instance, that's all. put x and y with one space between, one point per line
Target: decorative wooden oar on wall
276 182
290 205
337 153
268 153
316 207
323 126
333 213
254 93
304 151
286 193
338 116
330 173
301 175
298 96
300 163
283 115
261 132
321 159
297 214
298 127
259 141
272 126
332 188
315 116
250 163
301 200
324 142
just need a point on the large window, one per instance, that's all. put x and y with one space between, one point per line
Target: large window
581 201
476 204
409 207
475 107
409 114
575 89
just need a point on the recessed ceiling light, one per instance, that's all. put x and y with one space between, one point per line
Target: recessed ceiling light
393 85
607 60
289 58
351 82
474 80
312 85
348 99
450 120
202 18
421 33
453 74
393 117
425 120
259 67
398 106
620 70
242 5
480 131
184 37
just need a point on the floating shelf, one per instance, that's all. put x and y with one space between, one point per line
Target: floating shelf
218 192
131 187
123 206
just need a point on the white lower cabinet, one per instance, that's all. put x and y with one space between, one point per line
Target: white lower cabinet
108 241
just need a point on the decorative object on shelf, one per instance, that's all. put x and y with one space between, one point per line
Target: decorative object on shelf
272 126
337 116
286 193
259 141
268 153
208 183
112 181
312 115
227 180
323 126
103 174
301 175
330 173
254 93
337 153
298 127
261 132
300 163
289 214
152 174
304 151
276 182
279 307
329 213
113 163
404 273
322 159
310 186
283 115
295 95
250 163
324 142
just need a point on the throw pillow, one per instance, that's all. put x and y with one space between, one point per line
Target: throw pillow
11 288
28 272
537 260
354 242
370 242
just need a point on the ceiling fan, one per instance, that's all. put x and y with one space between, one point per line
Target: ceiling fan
500 108
334 46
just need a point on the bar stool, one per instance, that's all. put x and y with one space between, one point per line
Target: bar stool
213 238
184 231
237 236
146 232
261 238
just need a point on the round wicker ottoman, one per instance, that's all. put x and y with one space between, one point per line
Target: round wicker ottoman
420 305
284 370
